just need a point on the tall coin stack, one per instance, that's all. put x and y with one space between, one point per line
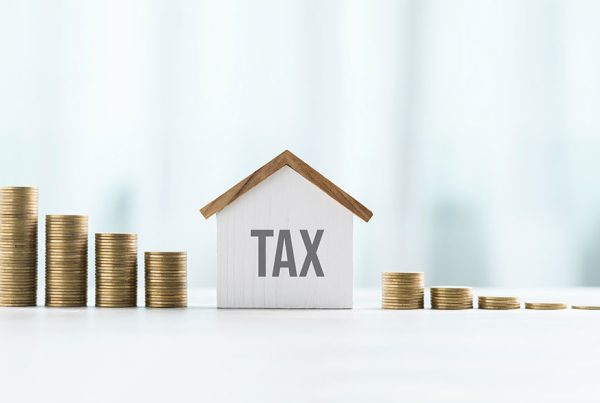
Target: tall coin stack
451 298
166 279
66 260
18 246
498 303
116 270
402 290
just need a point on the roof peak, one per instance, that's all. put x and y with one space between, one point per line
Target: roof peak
310 174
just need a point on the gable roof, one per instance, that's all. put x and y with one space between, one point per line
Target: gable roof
310 174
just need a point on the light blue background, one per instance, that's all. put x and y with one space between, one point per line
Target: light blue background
470 128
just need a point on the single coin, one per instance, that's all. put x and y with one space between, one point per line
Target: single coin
499 303
115 305
17 304
488 298
586 307
127 299
116 280
108 250
500 308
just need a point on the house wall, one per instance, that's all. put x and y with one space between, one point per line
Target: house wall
285 200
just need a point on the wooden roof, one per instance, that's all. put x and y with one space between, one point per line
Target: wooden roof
310 174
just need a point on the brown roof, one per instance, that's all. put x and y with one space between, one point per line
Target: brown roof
289 159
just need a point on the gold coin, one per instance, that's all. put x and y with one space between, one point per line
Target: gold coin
402 282
115 299
401 308
115 235
391 274
166 285
103 296
499 303
166 294
119 279
451 289
165 298
118 246
66 304
122 264
452 301
115 257
586 307
165 254
165 278
116 305
498 299
388 302
165 270
498 307
117 274
18 281
545 305
116 290
17 304
157 305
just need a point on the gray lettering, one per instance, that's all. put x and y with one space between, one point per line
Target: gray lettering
284 239
262 235
311 253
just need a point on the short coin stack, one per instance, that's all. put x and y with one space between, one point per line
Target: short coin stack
402 290
66 260
586 307
451 298
166 279
116 270
545 306
18 246
499 303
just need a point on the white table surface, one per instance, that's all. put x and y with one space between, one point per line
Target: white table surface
360 355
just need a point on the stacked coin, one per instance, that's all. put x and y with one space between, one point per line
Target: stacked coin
66 260
116 270
451 298
498 303
166 279
586 307
402 290
545 306
18 246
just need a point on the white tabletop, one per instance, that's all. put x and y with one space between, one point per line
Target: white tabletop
360 355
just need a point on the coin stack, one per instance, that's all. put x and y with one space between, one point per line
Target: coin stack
18 246
451 298
402 290
586 307
166 279
66 260
498 303
116 270
545 306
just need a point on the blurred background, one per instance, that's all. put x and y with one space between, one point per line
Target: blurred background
470 128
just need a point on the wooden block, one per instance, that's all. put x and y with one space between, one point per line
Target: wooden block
285 239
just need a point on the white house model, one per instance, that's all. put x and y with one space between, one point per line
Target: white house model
284 239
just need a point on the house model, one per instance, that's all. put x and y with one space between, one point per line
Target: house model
284 239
